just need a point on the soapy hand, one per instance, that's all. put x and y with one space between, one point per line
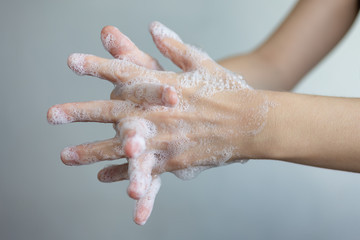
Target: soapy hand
183 122
121 47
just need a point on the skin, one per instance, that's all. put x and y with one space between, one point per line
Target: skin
306 36
327 127
129 119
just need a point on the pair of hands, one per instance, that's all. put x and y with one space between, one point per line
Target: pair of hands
183 123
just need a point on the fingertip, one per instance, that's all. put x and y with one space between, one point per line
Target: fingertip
169 96
152 25
139 185
115 42
104 176
69 156
135 191
49 115
100 175
160 31
140 221
108 29
56 115
76 62
141 214
108 39
128 148
134 146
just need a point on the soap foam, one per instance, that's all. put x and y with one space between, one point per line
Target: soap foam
206 83
190 173
58 116
142 127
69 154
144 206
188 135
140 141
76 62
161 31
109 42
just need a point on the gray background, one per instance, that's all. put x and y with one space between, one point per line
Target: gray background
40 198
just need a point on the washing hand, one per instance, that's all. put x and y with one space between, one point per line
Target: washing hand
183 123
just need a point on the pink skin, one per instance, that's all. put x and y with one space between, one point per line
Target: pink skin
121 47
165 95
113 111
144 206
169 96
132 148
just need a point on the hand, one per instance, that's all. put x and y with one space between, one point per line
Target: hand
206 128
121 47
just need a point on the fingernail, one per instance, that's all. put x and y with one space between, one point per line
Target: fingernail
76 62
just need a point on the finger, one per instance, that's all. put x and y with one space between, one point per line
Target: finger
88 153
114 173
120 46
133 132
139 172
95 111
147 93
115 70
170 45
144 205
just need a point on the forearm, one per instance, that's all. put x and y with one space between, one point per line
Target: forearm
310 31
312 130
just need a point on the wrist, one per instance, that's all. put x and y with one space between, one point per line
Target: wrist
269 142
254 124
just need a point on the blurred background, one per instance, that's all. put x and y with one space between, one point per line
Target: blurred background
40 198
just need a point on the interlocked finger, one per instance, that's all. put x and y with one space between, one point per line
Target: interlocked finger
186 57
92 152
114 70
114 173
139 172
93 111
121 47
144 205
147 93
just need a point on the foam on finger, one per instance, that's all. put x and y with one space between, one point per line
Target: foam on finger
146 93
185 139
161 31
56 115
69 156
140 175
144 206
80 64
185 56
115 42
